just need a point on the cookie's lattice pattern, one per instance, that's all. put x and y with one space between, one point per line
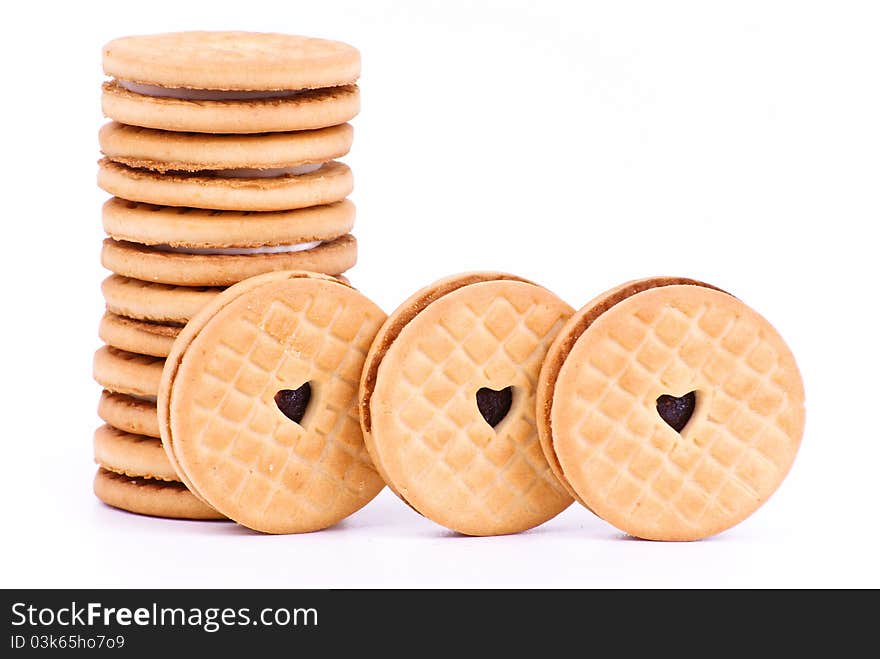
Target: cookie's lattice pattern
264 464
450 457
627 463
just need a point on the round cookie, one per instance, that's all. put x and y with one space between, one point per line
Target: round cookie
162 151
150 497
127 372
182 269
561 346
145 337
673 409
146 300
133 455
232 60
163 303
307 110
230 82
134 415
331 182
258 402
447 402
177 226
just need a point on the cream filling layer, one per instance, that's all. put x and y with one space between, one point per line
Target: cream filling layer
272 172
240 251
186 94
147 399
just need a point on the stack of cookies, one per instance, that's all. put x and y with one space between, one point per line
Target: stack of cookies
221 159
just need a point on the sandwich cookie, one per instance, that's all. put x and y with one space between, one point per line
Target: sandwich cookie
230 82
224 267
150 301
148 496
129 413
228 155
258 402
447 403
142 336
132 455
162 303
191 230
197 248
245 189
126 372
670 408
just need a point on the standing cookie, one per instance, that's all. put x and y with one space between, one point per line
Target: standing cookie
447 402
670 408
258 402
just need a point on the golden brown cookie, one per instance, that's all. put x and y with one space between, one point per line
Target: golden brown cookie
230 82
329 183
163 303
306 110
232 60
148 300
134 415
161 150
186 269
258 402
673 410
126 372
447 401
560 347
150 497
177 226
142 336
132 455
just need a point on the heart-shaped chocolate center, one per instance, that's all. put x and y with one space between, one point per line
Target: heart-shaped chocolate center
494 405
677 411
293 402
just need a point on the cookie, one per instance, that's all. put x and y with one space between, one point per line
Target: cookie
150 497
163 303
132 455
562 345
258 402
129 373
232 61
307 110
128 413
180 267
145 337
673 410
146 300
447 403
230 82
163 151
204 229
330 182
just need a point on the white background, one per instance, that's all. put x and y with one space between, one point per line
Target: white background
579 145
